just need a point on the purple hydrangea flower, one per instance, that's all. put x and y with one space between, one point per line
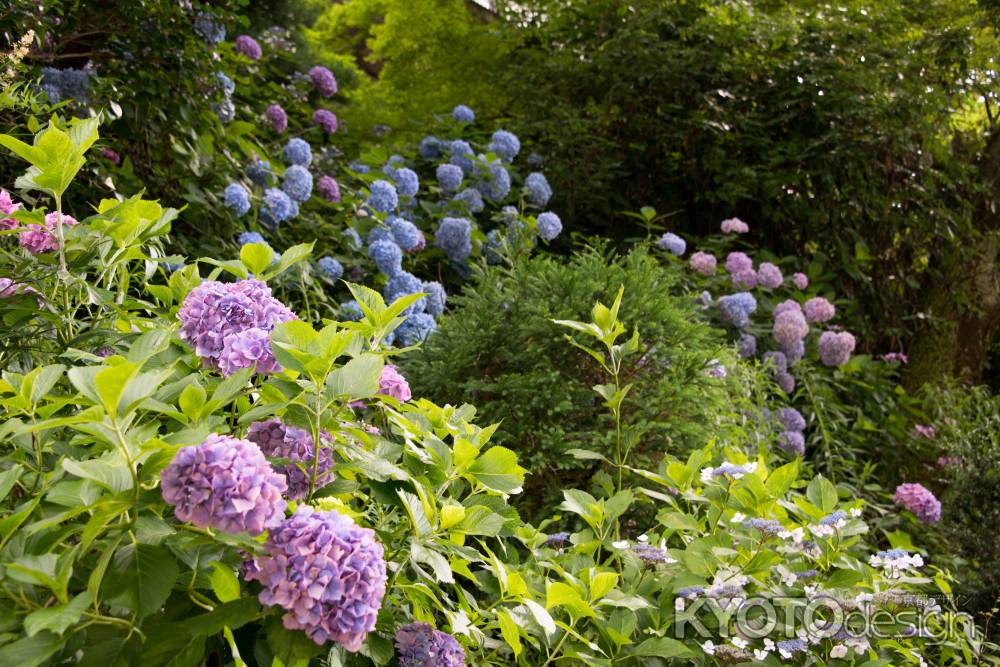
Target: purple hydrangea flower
734 226
383 197
387 255
326 572
328 188
454 237
835 348
776 360
250 348
745 279
737 262
703 263
795 351
833 518
326 120
38 239
650 554
278 440
505 144
789 327
819 309
224 483
769 275
392 383
449 177
407 181
785 382
557 540
324 80
791 419
277 118
672 243
112 155
8 206
247 46
549 225
747 345
737 308
420 645
789 647
766 526
800 280
213 311
787 305
918 500
463 114
539 190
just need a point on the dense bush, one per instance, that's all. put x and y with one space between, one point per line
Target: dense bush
498 348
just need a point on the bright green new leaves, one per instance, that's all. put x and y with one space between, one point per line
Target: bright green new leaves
498 470
56 155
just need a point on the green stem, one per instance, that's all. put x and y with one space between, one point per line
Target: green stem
555 650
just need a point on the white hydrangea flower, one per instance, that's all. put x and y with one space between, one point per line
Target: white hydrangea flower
708 647
739 517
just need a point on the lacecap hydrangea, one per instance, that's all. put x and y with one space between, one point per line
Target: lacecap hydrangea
224 483
278 440
328 574
454 236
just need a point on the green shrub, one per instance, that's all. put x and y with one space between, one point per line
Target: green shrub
498 348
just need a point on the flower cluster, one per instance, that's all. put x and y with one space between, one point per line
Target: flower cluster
703 263
328 188
420 645
38 239
737 308
392 383
463 114
325 120
326 572
276 118
791 438
224 483
674 244
835 348
920 501
277 440
323 80
237 199
247 46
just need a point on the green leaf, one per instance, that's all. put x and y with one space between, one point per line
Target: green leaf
562 595
479 520
498 470
542 617
30 651
663 647
232 614
142 577
45 380
109 471
358 378
601 584
192 400
822 493
224 582
437 562
256 257
291 647
111 383
8 478
59 617
289 258
781 480
586 454
510 632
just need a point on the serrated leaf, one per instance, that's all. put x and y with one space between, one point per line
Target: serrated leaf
57 618
498 470
142 576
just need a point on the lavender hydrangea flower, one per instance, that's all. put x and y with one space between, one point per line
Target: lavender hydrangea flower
403 283
225 110
920 501
247 46
449 177
672 243
436 297
463 114
454 236
505 144
328 188
326 120
703 263
277 118
800 280
38 239
794 351
789 647
650 554
112 155
387 255
792 443
297 183
330 268
835 348
8 206
383 197
785 382
471 199
415 328
211 30
819 309
380 233
297 151
769 275
250 348
549 225
225 83
777 361
277 205
539 190
392 383
259 172
744 280
420 645
460 152
737 308
224 483
557 540
430 147
747 345
407 181
791 419
237 199
494 183
787 305
406 234
766 526
737 262
789 327
734 226
327 573
278 440
323 80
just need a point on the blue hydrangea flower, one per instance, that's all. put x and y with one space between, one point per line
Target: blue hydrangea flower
505 144
450 177
225 83
388 257
401 284
460 155
535 161
407 181
330 268
672 243
737 308
747 345
211 31
436 297
549 225
298 183
353 238
383 197
259 173
430 147
471 198
494 184
225 110
251 237
539 190
493 247
237 199
406 234
463 114
359 167
380 233
278 206
297 151
454 236
415 329
392 164
351 311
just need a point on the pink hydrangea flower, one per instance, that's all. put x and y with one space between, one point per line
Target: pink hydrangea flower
920 501
737 262
769 275
800 280
819 309
278 440
835 348
896 356
703 263
787 304
923 431
789 327
38 239
745 279
734 226
392 383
